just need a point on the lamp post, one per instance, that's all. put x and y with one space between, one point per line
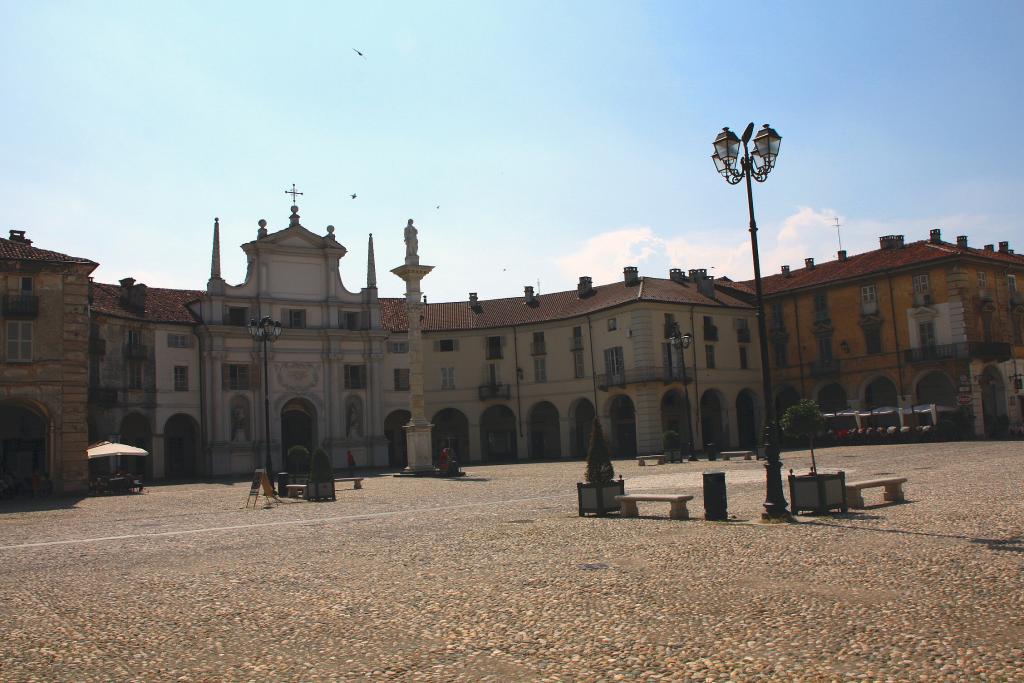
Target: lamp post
681 342
735 168
266 331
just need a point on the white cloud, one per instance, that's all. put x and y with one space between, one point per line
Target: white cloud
603 256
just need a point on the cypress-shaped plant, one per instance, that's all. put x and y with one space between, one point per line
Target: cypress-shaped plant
804 418
320 469
298 460
599 463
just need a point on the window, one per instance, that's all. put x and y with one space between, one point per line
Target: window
873 339
540 369
448 345
26 285
926 333
982 279
181 378
577 364
921 284
820 306
19 341
777 317
134 375
237 376
742 330
350 320
710 331
134 338
538 347
614 365
493 376
868 295
447 378
781 356
296 318
613 324
238 315
825 348
398 347
1011 284
577 338
178 341
709 355
355 376
401 379
493 347
743 357
670 324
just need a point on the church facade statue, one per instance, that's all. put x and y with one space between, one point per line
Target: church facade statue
412 244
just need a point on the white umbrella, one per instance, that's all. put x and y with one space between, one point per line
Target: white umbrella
105 449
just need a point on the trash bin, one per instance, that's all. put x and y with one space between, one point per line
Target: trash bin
282 484
715 502
711 450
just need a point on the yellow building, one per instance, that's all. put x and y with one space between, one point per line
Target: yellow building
905 324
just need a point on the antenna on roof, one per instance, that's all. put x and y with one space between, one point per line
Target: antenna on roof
837 226
538 285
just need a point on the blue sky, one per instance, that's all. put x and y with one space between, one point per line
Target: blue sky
559 139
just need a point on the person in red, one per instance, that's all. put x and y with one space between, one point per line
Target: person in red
351 464
442 462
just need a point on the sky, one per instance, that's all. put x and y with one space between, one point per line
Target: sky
531 142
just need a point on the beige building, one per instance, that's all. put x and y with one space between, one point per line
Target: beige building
45 328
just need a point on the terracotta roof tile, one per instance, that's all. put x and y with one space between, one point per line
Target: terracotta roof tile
457 315
162 305
24 251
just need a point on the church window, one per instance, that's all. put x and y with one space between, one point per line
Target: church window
181 378
401 379
296 318
350 320
238 316
355 376
237 376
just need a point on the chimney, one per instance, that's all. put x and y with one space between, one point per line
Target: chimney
133 295
809 263
585 287
935 235
676 275
1004 247
842 254
473 298
630 276
706 284
785 271
126 283
528 294
19 236
698 274
990 247
890 241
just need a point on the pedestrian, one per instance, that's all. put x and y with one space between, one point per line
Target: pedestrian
351 464
442 462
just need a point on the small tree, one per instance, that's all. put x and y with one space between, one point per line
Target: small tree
298 460
599 463
804 418
320 469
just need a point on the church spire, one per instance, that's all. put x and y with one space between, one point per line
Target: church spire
215 258
371 266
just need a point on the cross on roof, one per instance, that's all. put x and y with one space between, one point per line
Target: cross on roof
293 192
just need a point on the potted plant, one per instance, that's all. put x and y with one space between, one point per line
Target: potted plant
298 464
671 443
321 477
597 495
815 492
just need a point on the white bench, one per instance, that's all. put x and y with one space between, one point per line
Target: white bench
893 490
658 459
746 455
357 482
678 503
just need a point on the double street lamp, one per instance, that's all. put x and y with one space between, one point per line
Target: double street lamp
735 168
680 342
266 331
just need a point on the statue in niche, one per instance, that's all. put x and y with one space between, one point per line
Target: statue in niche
412 244
353 419
240 419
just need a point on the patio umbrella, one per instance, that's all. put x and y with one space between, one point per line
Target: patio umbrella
105 449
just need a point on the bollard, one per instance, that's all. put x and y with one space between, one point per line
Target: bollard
716 503
282 484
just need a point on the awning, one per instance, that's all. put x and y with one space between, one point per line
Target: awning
105 449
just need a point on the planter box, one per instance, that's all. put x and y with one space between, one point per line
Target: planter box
323 490
818 493
599 499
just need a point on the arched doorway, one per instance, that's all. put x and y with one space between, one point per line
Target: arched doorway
135 431
993 402
398 448
675 417
712 422
787 396
298 425
936 387
581 414
543 431
23 444
832 398
498 434
746 419
623 419
451 430
181 447
880 392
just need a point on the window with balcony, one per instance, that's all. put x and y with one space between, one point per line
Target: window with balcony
401 379
493 348
614 363
743 358
447 378
238 316
19 341
709 356
540 369
134 375
873 339
238 377
296 318
825 348
181 378
355 376
710 330
926 333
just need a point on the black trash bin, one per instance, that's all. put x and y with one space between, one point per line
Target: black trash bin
282 484
716 503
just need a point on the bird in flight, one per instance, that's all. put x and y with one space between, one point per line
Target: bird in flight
359 53
353 195
438 206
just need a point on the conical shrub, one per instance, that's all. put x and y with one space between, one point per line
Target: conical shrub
320 469
298 460
599 463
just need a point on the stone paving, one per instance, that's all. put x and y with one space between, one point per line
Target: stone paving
494 577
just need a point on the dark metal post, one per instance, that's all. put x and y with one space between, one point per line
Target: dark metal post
266 406
686 393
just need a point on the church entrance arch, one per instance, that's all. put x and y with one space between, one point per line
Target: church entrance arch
23 442
623 418
298 425
181 447
543 430
498 434
581 414
135 431
746 419
451 430
398 452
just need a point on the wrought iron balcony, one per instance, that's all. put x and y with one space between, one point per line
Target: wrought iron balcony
641 376
998 351
825 367
102 396
495 391
21 306
136 351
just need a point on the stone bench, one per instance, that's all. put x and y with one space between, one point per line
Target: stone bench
296 490
357 482
746 455
893 490
678 503
658 459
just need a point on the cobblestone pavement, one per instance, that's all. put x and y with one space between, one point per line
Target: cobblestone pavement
494 577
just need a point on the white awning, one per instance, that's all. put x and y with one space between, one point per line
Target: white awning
105 449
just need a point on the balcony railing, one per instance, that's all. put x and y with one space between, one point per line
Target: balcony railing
102 396
575 343
21 306
495 391
998 351
641 376
97 346
538 348
136 351
825 367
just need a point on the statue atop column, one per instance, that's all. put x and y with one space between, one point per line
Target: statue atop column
412 245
